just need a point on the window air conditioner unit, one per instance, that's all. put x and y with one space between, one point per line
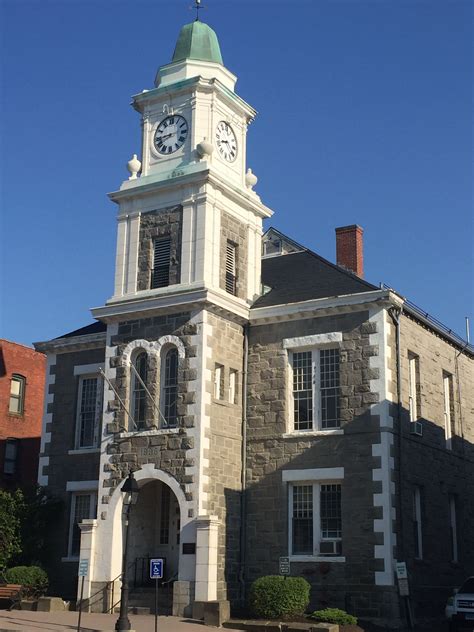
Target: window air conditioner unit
416 428
330 547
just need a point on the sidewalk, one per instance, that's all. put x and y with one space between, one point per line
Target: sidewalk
27 621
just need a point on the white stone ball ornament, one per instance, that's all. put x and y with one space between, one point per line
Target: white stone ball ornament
134 166
250 179
204 148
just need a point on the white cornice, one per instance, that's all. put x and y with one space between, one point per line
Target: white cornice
321 306
189 299
72 343
198 174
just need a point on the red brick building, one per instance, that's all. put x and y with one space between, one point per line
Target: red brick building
22 378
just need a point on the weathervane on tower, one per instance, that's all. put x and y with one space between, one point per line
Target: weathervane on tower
197 6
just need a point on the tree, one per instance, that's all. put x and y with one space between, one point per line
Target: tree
12 505
37 515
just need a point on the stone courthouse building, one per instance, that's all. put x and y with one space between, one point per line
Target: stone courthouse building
269 402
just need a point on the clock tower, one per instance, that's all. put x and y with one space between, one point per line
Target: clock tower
187 272
193 161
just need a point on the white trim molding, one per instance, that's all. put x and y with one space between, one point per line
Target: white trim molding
316 474
47 419
315 340
82 486
88 369
383 474
152 347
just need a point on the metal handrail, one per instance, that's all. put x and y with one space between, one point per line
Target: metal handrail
106 587
434 322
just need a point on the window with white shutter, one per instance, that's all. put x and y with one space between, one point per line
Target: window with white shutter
161 263
230 268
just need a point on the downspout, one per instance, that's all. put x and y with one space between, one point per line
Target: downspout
243 499
395 316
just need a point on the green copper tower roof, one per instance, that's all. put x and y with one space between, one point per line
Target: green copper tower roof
197 41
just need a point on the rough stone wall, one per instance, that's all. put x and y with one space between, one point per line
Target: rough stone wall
166 450
225 454
236 232
166 223
64 467
348 584
439 472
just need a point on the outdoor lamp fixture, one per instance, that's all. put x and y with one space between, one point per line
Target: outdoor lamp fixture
130 491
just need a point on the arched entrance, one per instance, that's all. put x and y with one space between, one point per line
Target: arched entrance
154 531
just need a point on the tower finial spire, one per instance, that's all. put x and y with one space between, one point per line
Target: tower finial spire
197 6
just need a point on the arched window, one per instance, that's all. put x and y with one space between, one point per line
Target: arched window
138 398
169 389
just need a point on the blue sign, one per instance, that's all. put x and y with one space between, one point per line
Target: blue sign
83 568
156 568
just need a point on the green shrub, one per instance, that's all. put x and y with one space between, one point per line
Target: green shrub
334 615
276 597
33 578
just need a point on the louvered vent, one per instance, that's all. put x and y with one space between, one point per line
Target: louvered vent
161 263
230 268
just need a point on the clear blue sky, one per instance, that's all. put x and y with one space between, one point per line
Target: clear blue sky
364 117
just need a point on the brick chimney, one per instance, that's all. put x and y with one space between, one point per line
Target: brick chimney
350 248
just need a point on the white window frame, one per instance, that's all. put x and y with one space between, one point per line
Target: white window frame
218 373
98 411
447 383
417 519
413 404
92 514
314 477
453 527
314 344
18 398
232 386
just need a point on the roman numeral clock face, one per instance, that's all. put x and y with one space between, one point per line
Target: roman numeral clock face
171 134
226 141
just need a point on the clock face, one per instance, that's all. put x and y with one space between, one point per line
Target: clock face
171 134
226 141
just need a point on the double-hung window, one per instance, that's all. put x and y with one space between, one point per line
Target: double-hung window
453 528
414 386
417 526
448 408
218 381
315 519
83 507
11 456
17 395
315 389
232 386
89 411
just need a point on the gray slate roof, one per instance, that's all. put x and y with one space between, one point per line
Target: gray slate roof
302 276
